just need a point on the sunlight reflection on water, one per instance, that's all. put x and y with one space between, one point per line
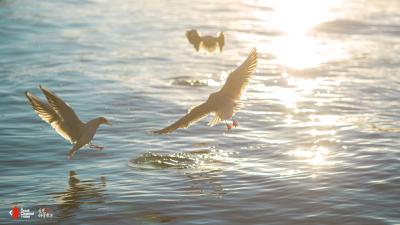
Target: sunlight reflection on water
317 136
199 160
296 49
297 16
300 51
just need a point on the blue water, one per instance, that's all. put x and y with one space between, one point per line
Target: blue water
318 136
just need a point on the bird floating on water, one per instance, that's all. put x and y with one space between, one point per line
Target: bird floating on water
225 103
64 120
206 43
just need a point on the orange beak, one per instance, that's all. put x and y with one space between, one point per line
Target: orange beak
109 123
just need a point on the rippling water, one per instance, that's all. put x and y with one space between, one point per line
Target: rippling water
318 137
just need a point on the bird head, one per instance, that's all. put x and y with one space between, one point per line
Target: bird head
104 120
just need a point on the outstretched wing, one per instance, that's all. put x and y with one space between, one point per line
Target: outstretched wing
195 114
194 38
65 112
47 113
237 82
221 40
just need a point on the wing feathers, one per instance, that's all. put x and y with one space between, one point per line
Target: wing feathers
237 82
221 40
194 38
64 111
47 113
195 114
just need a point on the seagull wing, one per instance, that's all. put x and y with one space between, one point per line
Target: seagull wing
65 112
237 82
221 40
195 114
47 113
194 38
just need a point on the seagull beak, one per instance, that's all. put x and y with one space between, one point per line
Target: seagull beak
109 123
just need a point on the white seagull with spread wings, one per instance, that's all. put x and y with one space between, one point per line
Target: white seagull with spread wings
64 120
206 43
225 102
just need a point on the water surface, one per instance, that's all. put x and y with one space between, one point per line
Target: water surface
318 135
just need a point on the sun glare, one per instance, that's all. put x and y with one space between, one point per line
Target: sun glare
300 51
293 16
295 49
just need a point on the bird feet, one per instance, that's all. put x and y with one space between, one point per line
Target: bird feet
95 146
235 124
229 127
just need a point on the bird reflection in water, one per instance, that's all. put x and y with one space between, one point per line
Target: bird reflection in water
79 196
155 217
205 184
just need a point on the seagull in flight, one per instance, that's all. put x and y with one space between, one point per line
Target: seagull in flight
225 103
64 120
206 43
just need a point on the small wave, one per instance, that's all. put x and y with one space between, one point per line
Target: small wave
204 159
204 144
208 80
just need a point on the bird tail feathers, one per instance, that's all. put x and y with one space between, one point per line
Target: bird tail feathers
76 147
215 120
226 112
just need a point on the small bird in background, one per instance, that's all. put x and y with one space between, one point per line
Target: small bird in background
225 103
206 43
64 120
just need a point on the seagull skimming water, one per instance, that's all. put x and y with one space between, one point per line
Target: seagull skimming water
64 120
225 102
206 43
